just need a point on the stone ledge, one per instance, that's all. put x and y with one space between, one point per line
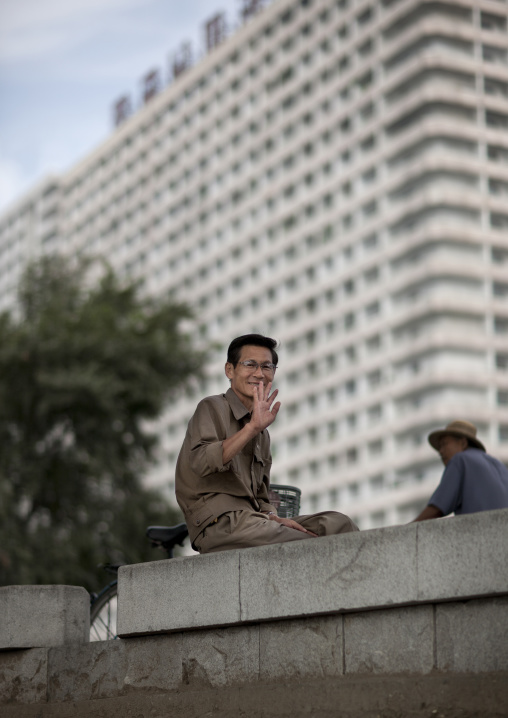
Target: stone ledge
42 616
448 639
435 561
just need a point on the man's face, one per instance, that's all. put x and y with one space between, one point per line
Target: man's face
243 379
450 445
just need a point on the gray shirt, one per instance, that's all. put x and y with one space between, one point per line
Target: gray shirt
472 481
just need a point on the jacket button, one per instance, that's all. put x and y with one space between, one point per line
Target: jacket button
198 522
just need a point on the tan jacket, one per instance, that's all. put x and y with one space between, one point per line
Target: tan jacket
207 488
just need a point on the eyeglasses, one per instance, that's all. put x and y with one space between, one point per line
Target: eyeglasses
252 365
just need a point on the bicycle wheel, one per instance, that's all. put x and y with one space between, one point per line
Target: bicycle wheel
103 613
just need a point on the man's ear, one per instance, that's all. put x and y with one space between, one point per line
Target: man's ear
465 444
228 369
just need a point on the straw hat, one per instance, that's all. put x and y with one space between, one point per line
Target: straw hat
456 428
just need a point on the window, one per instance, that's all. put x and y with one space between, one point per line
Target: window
501 325
496 119
493 22
377 483
350 354
367 111
495 87
373 309
502 361
498 220
369 176
351 458
312 435
494 54
500 289
368 143
294 476
377 519
349 320
498 187
371 275
345 125
499 255
497 154
366 48
502 398
369 209
354 489
365 80
374 378
366 16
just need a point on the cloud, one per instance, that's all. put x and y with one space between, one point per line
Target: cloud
64 62
31 29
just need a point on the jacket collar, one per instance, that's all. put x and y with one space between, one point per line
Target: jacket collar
239 410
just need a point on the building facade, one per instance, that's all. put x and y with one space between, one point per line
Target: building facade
335 175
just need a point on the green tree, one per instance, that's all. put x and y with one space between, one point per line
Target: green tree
84 366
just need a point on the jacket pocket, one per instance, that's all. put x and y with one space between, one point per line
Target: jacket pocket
202 515
261 468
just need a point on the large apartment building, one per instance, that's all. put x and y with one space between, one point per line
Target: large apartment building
335 175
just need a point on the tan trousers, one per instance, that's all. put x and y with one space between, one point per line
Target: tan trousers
243 529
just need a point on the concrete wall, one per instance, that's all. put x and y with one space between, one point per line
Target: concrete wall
408 621
33 616
435 561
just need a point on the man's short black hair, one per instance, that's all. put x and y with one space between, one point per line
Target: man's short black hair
257 340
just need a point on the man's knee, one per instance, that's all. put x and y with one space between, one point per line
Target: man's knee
344 523
328 523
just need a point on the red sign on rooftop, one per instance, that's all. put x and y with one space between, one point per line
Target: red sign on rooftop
250 8
122 109
151 84
182 59
215 31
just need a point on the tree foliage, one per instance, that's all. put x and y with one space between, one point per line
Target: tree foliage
83 366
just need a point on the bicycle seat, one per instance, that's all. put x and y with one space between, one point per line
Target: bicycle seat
168 535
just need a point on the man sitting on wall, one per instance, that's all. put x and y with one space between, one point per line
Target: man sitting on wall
223 470
472 480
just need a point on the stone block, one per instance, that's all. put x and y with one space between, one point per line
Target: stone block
36 616
105 669
429 562
472 636
181 593
463 556
23 676
216 658
396 640
309 647
331 574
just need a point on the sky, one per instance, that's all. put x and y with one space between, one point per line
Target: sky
63 63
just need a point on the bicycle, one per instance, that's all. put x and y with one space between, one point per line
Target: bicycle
104 605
